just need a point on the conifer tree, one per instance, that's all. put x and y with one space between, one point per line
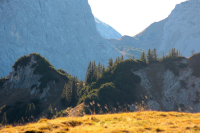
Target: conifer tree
74 91
110 62
89 73
155 55
122 58
143 57
133 57
4 120
50 112
116 61
99 67
30 109
103 69
149 56
94 72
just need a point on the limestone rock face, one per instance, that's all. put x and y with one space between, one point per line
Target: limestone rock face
169 92
63 31
180 30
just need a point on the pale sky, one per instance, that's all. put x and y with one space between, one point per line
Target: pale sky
130 17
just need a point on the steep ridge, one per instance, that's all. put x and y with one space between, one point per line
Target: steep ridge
172 85
33 81
182 30
106 31
179 30
62 31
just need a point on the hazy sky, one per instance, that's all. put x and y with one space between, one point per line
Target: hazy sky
130 17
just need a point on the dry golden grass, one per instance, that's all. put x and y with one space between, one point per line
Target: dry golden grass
146 121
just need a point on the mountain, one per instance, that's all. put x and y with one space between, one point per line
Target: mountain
34 87
170 84
106 31
179 30
64 32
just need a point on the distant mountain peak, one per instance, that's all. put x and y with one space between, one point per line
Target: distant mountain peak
106 31
180 30
62 31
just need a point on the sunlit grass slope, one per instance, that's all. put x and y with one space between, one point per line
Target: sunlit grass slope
147 121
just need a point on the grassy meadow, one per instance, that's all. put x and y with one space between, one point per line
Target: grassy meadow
136 122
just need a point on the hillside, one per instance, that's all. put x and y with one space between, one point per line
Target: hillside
64 32
35 88
167 84
179 30
148 121
32 86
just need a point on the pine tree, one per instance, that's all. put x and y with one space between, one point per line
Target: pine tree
133 57
130 58
74 91
143 57
94 73
122 58
89 73
155 55
149 56
4 120
99 67
116 61
30 109
110 62
67 94
50 112
103 69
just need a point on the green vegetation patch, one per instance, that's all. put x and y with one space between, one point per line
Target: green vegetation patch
115 87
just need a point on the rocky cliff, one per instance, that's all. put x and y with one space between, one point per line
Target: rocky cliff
30 88
32 77
62 31
174 89
179 30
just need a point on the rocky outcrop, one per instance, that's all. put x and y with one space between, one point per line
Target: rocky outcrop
169 92
26 82
179 30
64 32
